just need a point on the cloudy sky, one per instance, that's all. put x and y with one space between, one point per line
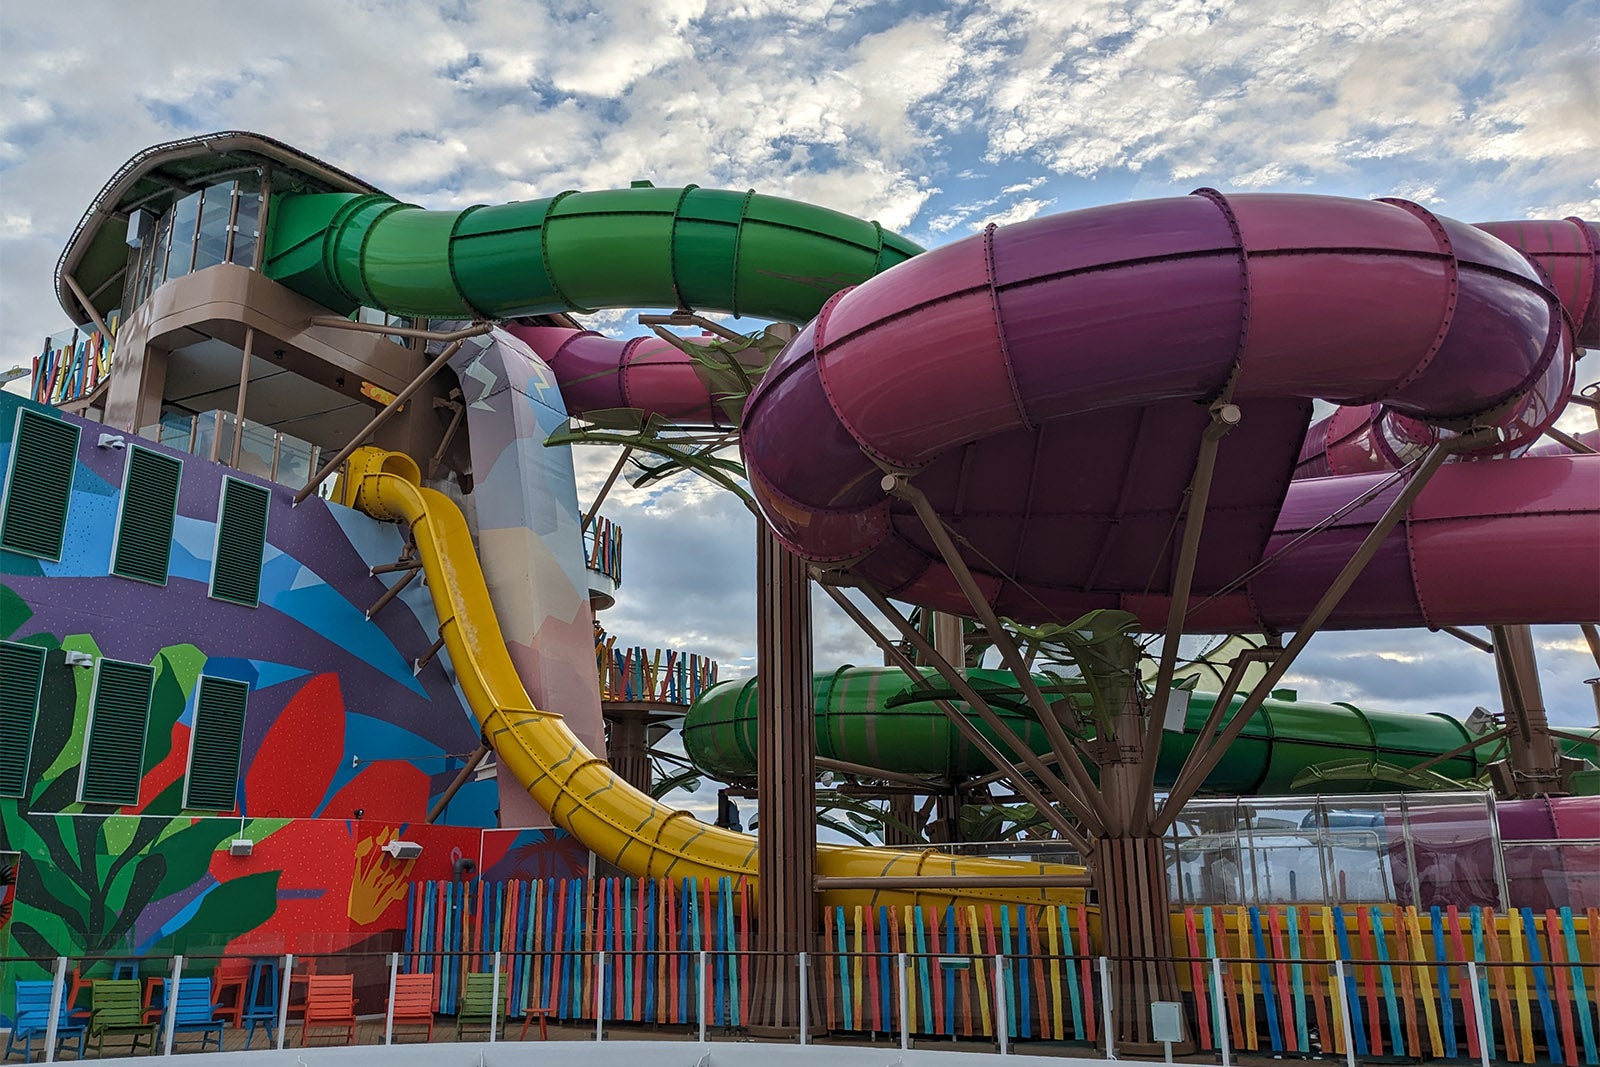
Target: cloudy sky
933 118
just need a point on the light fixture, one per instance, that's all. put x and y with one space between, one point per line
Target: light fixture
403 850
241 846
79 659
111 440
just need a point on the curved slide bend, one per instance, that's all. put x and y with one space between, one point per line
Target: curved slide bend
581 792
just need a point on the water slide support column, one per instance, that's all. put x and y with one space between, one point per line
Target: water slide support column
786 843
1534 765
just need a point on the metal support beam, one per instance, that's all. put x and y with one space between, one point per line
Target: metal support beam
1195 771
1224 417
392 592
1460 750
682 318
427 657
1219 707
1562 437
1591 634
383 416
600 498
1467 637
861 770
458 411
390 568
244 390
898 485
894 657
94 316
462 777
1535 761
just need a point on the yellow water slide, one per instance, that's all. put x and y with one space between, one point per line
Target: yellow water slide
581 792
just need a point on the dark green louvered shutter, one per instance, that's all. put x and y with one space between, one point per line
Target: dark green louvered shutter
21 675
113 751
144 523
215 743
44 456
241 540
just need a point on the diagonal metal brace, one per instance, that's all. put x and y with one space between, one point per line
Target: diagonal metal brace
1195 770
1046 807
898 485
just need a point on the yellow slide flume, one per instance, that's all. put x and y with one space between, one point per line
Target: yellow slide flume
637 833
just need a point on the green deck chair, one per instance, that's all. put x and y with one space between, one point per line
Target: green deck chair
475 1009
116 1009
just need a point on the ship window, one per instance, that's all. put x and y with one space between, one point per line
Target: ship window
113 744
21 677
33 514
212 246
185 217
245 224
241 541
143 542
215 743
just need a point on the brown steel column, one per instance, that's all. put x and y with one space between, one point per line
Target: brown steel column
627 749
785 743
1534 764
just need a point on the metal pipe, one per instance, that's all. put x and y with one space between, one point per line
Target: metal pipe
1488 738
456 783
1570 441
846 767
398 565
334 322
94 316
968 731
52 1027
283 998
393 591
1219 706
1195 772
1470 638
958 881
1224 417
899 485
1591 634
244 390
380 418
905 1001
170 1015
682 319
611 479
388 1013
1002 1021
427 657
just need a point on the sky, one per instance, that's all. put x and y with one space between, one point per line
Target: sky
933 118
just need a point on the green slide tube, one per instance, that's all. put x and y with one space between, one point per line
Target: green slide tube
875 717
708 249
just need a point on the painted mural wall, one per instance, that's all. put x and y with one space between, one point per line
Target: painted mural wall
345 746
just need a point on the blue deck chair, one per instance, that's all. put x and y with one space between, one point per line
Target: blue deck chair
194 1012
261 1002
33 1021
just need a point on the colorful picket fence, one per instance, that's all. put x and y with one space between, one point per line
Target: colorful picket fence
1405 989
1405 981
72 365
551 933
602 541
1049 979
657 676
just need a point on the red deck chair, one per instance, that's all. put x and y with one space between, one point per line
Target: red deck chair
330 1005
228 983
413 1001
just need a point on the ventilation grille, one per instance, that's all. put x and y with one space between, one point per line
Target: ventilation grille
39 485
214 746
21 675
241 539
149 508
113 751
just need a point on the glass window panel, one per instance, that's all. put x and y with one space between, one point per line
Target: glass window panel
214 211
185 216
158 270
244 229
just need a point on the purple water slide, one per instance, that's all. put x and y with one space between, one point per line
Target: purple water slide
1566 254
1046 384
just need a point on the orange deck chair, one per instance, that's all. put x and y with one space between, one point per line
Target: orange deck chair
330 1005
413 1001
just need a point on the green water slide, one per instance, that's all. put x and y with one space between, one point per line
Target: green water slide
740 252
874 716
